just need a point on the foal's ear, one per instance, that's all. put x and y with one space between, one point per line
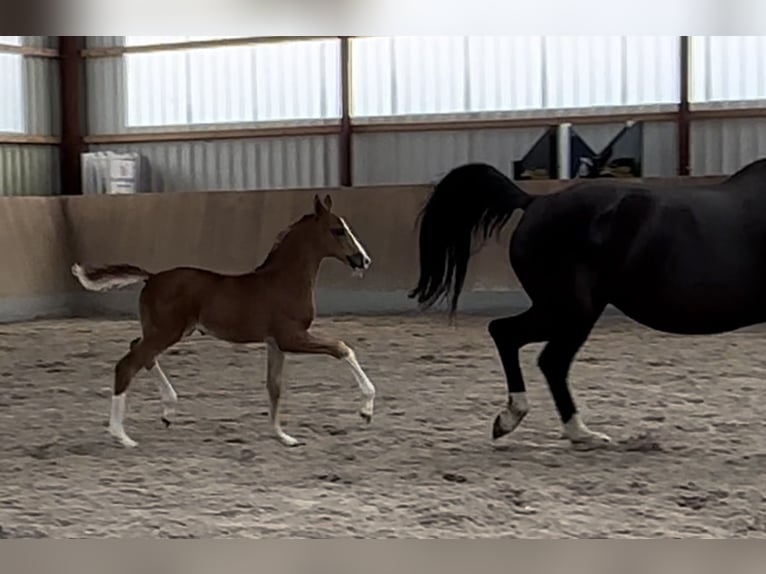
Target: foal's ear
328 202
319 209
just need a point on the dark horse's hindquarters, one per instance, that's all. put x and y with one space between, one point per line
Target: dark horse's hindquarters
686 260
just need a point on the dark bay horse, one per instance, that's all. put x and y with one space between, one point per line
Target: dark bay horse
274 304
688 260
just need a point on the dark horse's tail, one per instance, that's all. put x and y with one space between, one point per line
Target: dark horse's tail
471 198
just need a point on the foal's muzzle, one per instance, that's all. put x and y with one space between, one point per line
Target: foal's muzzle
359 262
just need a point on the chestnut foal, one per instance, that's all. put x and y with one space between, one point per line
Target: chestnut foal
274 304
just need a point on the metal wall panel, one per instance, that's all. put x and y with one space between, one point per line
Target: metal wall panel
721 147
29 170
238 165
42 101
41 41
104 93
104 41
422 157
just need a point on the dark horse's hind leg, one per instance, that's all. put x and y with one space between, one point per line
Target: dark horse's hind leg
555 361
509 335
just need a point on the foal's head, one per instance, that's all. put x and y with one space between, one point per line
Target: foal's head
334 237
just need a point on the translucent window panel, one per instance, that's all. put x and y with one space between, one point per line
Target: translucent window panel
234 84
421 75
505 72
726 68
157 86
221 85
298 80
409 75
582 71
11 93
652 73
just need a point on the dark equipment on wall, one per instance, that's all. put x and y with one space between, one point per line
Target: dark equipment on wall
540 162
621 157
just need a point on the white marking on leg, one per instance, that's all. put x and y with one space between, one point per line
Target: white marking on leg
511 417
115 421
367 388
578 433
275 361
168 396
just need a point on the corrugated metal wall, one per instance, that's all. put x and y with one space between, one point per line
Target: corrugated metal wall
33 169
418 157
29 170
239 165
720 147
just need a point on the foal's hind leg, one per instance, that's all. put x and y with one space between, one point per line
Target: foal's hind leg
555 362
509 335
275 360
137 358
141 355
168 396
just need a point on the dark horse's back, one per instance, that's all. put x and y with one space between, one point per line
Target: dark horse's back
687 259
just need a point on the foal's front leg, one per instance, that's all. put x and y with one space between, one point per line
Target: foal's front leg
275 360
305 342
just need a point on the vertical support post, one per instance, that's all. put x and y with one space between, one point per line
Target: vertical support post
684 140
346 178
71 78
563 153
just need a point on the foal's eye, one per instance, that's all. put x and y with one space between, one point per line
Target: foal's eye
340 232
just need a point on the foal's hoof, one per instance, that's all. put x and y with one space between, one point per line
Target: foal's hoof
166 421
123 438
289 441
366 417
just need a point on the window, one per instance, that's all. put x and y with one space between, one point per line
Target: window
727 68
585 71
231 84
459 74
11 87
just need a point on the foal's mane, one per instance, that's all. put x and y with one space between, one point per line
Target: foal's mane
278 241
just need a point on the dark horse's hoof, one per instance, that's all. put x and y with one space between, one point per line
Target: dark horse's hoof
497 429
166 421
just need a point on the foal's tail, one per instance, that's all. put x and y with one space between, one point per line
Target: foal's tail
471 198
108 277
